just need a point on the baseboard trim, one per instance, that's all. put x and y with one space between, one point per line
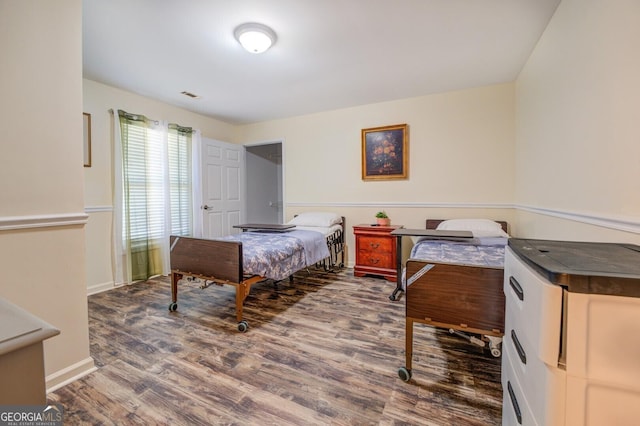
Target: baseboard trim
70 374
99 288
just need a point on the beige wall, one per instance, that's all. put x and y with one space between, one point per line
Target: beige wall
42 218
452 138
98 99
461 151
577 143
561 144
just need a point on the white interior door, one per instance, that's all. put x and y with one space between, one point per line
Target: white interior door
222 187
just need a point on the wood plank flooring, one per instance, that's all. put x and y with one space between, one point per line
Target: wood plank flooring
322 350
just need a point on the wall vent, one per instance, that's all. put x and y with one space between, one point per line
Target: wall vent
191 95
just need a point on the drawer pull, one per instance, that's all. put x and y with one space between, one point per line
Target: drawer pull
515 285
373 260
374 245
514 402
521 353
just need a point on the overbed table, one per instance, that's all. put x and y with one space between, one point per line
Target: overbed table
265 227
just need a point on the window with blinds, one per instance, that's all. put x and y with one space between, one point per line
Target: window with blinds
143 186
180 186
157 188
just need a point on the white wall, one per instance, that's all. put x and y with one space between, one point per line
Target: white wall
461 158
578 145
98 99
42 250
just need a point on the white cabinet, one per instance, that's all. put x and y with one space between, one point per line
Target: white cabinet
571 356
531 346
603 360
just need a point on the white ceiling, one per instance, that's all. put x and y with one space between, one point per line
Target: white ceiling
329 54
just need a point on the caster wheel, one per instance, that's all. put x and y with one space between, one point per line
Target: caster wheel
173 307
404 374
496 352
243 326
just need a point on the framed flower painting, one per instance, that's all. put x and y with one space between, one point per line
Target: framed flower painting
385 152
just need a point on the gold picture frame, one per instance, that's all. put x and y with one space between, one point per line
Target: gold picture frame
86 137
385 152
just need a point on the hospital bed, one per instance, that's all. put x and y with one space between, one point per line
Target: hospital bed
244 259
457 283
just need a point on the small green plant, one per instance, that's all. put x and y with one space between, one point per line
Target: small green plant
382 215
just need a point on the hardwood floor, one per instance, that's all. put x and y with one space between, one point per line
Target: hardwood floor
324 349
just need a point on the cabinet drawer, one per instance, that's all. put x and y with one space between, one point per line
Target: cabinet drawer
375 244
515 407
542 385
536 308
375 259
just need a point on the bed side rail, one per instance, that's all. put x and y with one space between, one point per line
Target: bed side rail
461 296
217 259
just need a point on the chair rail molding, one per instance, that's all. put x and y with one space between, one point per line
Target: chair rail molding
403 204
9 223
98 209
619 223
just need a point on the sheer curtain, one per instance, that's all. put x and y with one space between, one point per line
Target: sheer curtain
153 193
196 181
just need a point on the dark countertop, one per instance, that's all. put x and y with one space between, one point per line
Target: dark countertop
584 267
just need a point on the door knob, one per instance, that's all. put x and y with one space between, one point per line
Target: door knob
206 207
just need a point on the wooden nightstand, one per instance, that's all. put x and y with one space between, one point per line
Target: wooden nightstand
375 251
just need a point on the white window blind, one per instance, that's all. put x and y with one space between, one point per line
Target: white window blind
180 185
144 176
157 181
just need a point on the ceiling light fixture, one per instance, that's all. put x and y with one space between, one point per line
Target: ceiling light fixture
255 38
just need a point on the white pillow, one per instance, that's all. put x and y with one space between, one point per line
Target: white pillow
316 219
480 233
479 227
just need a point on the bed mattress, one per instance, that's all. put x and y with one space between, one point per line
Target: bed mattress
480 252
278 255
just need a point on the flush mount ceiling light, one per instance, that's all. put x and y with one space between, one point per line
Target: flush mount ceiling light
255 38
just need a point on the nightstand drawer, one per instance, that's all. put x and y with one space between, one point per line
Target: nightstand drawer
375 259
376 244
